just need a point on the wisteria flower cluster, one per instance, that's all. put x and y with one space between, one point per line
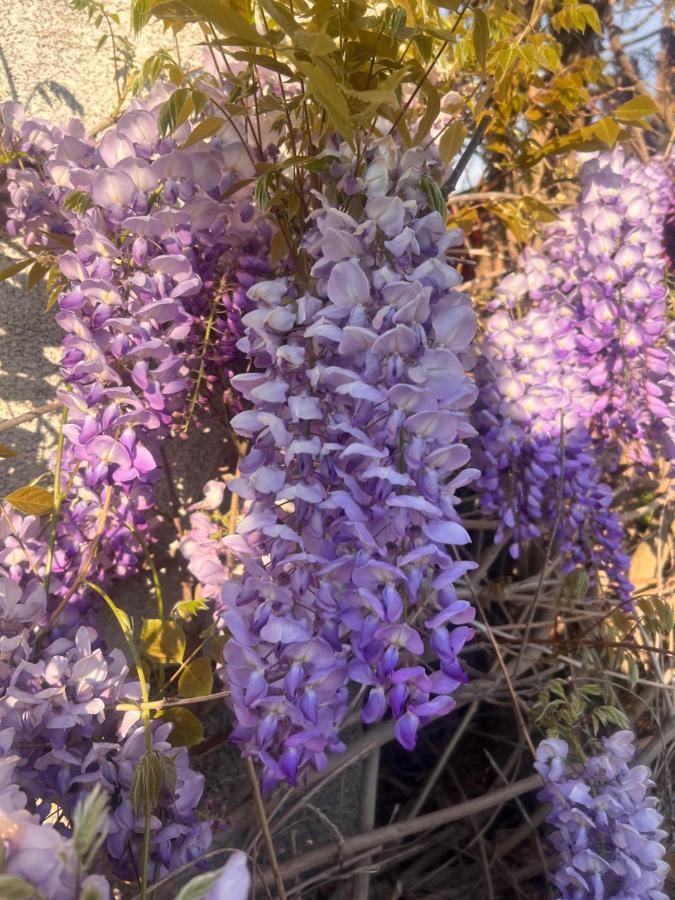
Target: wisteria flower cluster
606 828
58 698
573 367
359 415
34 853
151 262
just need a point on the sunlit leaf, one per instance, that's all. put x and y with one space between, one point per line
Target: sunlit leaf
204 129
480 36
196 679
187 728
6 452
635 109
451 141
14 268
162 641
606 130
32 500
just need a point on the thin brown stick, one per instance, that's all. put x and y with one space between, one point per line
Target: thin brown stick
265 827
399 830
29 416
367 819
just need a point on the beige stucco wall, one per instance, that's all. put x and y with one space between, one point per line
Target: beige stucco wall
48 60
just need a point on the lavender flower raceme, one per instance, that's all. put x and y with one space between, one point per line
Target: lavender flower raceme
358 425
57 698
606 828
573 366
37 854
155 256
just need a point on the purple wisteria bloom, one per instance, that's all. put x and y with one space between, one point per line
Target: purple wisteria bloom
36 853
573 370
358 426
606 828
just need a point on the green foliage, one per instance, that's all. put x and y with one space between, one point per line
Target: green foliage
196 679
32 500
155 772
572 712
14 888
162 641
90 824
532 87
187 728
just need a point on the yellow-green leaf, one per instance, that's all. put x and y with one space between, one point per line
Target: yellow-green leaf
480 36
328 93
6 452
451 142
162 640
588 14
606 130
548 57
196 679
32 500
227 20
187 728
36 274
635 109
14 268
205 129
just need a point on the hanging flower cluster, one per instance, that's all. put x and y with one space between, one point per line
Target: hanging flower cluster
358 421
572 368
58 698
151 262
37 854
606 828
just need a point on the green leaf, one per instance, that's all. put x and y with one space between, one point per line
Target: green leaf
14 888
188 609
198 887
205 129
316 43
32 500
227 20
480 36
196 679
265 62
433 108
281 15
36 274
162 641
14 268
635 109
140 13
146 783
589 16
395 21
326 90
77 202
187 728
548 57
606 130
451 142
90 823
6 452
435 196
170 110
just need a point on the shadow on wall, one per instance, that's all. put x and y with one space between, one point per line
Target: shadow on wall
29 353
47 90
